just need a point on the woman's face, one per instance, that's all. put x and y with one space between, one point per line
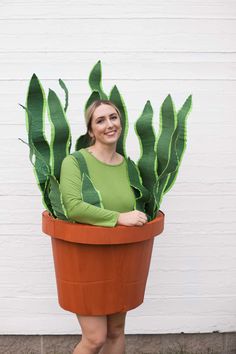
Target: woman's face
105 125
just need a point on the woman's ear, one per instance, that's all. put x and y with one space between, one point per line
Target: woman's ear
92 137
90 133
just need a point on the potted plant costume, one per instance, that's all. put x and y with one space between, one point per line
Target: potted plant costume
103 270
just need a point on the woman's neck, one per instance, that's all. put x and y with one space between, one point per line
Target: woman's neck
105 153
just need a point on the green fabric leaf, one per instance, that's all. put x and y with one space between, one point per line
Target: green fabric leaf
173 161
159 190
38 144
56 199
89 193
170 161
148 160
167 126
142 195
178 145
60 133
64 88
172 166
36 158
36 105
41 170
95 80
93 97
116 98
46 200
81 161
181 142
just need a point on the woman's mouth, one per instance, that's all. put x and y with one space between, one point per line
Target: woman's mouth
111 133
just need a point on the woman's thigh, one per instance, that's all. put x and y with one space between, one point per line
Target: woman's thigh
94 328
116 324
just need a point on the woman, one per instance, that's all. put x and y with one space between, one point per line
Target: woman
108 172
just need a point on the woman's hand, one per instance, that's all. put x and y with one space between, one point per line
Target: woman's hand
132 218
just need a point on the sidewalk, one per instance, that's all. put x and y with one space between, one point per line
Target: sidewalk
196 343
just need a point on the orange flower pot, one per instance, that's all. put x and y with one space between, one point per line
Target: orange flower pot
101 270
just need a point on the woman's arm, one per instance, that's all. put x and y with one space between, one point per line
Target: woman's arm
77 209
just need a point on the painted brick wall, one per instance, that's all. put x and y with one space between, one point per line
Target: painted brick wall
149 49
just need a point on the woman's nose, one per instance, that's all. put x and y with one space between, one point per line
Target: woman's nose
109 123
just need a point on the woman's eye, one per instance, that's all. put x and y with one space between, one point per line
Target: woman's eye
114 117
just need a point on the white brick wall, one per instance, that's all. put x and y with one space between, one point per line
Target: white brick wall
149 49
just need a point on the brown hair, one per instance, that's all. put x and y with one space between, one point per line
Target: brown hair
90 110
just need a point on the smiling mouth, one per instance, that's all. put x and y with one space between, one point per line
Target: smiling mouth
111 132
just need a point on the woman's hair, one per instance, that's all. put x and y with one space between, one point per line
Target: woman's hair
90 110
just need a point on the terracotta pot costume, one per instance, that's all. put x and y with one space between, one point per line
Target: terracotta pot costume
102 268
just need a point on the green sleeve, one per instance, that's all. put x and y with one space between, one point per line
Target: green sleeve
77 209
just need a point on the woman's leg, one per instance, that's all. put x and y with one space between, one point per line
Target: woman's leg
115 343
94 333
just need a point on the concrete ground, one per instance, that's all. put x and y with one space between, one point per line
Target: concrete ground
196 343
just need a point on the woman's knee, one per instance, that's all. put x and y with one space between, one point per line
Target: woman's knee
94 341
115 332
116 326
94 331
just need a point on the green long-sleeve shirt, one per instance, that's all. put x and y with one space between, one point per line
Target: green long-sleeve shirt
112 181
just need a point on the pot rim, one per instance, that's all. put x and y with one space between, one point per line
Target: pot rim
90 234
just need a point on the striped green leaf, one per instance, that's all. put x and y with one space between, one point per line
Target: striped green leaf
171 168
167 126
95 80
178 145
56 199
35 125
81 161
36 157
159 190
41 168
93 97
142 195
36 105
147 162
89 193
173 161
33 154
166 148
116 98
181 142
64 88
60 133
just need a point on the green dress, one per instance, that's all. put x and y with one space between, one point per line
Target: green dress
112 182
